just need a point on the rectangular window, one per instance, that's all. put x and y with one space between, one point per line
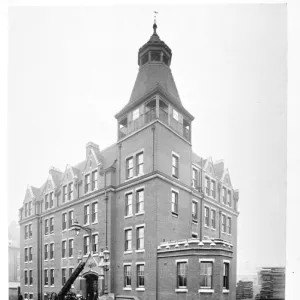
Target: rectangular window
30 296
229 198
52 251
223 223
206 275
63 249
30 231
63 276
46 277
25 296
30 277
70 190
95 243
181 275
51 276
140 233
140 271
71 247
140 164
224 195
213 189
87 183
64 221
213 218
206 216
194 178
127 276
71 215
174 203
86 210
26 254
26 232
229 225
52 225
64 193
25 277
175 115
46 202
51 199
128 239
128 204
46 251
86 242
30 253
135 114
207 186
194 210
46 226
175 161
226 276
94 212
194 235
140 201
129 167
94 180
70 272
29 208
26 210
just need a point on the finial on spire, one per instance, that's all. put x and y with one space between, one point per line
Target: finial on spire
154 25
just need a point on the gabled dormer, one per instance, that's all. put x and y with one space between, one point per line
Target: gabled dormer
48 191
69 184
154 95
31 196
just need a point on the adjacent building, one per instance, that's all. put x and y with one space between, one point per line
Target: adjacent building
167 215
13 269
244 290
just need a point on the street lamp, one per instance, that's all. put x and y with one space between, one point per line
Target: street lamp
104 265
77 227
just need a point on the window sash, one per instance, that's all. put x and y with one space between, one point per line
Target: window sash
94 212
71 248
140 275
86 242
25 278
51 276
140 201
175 161
51 251
128 204
174 202
207 186
129 167
64 221
128 239
226 276
64 193
86 214
229 225
206 273
127 276
213 218
94 180
213 189
194 210
63 276
95 243
181 275
63 249
140 233
206 216
223 223
46 277
70 190
30 277
70 218
139 163
45 251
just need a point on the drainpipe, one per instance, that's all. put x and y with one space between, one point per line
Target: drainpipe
120 163
153 141
39 257
201 202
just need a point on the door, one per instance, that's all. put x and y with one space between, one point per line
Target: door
91 287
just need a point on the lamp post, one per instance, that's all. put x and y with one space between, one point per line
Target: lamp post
77 227
104 264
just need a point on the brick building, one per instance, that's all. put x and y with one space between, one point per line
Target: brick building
244 290
168 216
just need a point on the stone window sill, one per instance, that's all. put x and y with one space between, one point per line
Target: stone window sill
205 291
181 290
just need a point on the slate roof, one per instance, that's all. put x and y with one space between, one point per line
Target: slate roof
219 169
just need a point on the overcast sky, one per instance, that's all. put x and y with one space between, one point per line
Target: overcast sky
71 69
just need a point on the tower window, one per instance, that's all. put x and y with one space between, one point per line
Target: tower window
165 59
144 59
155 55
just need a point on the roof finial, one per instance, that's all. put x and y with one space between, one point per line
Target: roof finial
154 25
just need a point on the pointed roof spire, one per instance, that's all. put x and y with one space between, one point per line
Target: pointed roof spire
154 25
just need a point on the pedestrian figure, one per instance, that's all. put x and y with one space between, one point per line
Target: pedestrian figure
20 297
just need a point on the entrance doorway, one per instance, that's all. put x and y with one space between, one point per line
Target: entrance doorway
91 287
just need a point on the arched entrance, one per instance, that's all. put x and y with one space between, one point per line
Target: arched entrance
91 286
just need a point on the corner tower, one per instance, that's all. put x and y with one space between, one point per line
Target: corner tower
154 95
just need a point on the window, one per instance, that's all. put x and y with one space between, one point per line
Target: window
140 232
51 199
213 189
26 232
63 276
30 277
194 178
140 201
213 218
30 230
194 235
95 243
155 55
140 164
174 203
229 225
175 166
229 198
128 204
71 247
140 271
71 214
206 275
63 249
45 277
29 208
52 251
206 216
46 202
194 210
26 255
129 167
26 210
87 183
127 276
64 221
86 214
224 195
70 271
30 253
70 196
46 226
51 276
226 276
86 242
223 223
26 277
26 296
135 114
52 225
46 251
30 296
175 115
94 180
144 58
64 194
207 186
128 239
181 275
94 212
